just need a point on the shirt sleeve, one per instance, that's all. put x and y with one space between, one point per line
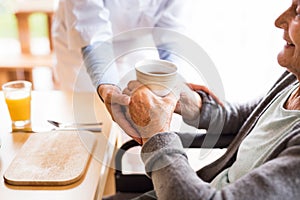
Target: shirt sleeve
99 61
174 15
87 21
173 18
89 29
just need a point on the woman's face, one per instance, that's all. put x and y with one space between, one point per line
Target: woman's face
289 21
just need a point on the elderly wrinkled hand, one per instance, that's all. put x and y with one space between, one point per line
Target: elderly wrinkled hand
190 102
147 112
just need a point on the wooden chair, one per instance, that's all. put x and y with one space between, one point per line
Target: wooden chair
21 66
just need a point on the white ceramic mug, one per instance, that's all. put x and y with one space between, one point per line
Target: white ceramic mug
159 76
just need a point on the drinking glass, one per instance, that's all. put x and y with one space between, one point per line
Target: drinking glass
18 99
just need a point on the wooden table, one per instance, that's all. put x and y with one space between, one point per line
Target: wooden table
65 107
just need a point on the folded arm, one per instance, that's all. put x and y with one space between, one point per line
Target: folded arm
173 178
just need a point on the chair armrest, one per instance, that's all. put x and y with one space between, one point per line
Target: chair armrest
203 140
129 183
141 183
189 140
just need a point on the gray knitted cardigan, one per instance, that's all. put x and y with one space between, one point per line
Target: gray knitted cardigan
277 178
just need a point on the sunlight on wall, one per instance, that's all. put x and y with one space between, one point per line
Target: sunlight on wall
242 40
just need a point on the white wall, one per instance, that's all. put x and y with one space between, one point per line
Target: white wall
241 39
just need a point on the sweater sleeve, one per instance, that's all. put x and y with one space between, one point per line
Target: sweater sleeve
173 178
222 119
230 118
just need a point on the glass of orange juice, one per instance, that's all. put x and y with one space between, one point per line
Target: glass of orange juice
18 99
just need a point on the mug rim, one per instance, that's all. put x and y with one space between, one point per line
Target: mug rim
142 63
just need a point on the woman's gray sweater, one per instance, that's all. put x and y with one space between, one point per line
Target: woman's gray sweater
277 178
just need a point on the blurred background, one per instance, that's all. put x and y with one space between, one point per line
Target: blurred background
240 37
25 46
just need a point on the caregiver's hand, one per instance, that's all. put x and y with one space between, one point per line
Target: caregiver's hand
115 103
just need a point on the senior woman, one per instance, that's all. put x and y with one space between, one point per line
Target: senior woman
263 160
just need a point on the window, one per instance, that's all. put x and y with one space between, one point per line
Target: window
243 42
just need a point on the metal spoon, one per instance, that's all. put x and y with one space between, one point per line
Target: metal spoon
72 125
